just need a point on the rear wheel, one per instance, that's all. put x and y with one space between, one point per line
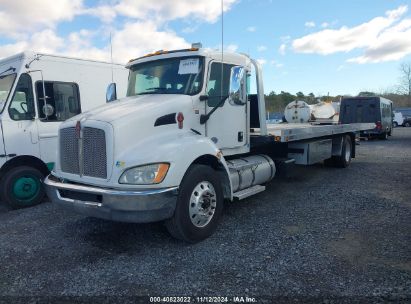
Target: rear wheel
199 205
407 124
22 187
344 159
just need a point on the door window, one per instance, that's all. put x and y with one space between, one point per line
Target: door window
62 100
217 86
22 104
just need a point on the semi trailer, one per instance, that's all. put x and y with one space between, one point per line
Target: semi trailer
37 92
188 137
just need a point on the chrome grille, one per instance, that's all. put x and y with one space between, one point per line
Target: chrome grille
69 145
94 153
93 159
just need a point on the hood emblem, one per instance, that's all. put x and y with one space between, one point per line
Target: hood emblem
78 130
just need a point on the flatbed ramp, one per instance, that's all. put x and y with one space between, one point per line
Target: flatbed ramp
287 132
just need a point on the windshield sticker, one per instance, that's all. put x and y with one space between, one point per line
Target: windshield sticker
189 66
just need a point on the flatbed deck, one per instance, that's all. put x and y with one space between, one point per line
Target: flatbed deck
288 132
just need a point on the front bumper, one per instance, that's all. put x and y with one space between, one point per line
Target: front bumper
117 205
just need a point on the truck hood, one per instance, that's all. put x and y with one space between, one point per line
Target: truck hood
143 105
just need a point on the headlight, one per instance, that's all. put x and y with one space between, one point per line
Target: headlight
144 175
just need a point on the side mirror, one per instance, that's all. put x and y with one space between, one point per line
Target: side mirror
237 86
111 93
48 110
203 97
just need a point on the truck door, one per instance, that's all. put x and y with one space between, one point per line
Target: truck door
227 126
18 121
62 101
2 151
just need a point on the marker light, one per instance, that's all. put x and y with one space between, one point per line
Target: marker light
180 120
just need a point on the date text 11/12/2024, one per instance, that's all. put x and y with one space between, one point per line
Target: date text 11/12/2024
197 299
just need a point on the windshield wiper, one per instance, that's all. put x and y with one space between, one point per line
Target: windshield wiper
204 118
159 89
152 90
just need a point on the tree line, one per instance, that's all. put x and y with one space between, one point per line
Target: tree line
400 95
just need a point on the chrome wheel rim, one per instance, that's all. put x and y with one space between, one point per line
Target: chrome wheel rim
203 202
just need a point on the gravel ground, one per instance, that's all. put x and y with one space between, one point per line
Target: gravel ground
343 234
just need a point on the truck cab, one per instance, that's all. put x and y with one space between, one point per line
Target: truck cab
188 136
37 93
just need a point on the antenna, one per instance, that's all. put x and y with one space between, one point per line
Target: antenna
111 57
222 47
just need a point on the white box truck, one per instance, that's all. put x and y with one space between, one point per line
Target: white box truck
188 137
37 93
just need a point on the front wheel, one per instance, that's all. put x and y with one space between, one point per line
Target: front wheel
199 205
395 124
22 187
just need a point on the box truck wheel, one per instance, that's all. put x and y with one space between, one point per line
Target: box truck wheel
22 187
344 160
199 205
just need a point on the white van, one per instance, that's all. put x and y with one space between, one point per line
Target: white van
37 93
398 119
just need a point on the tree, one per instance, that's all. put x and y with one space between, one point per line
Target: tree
405 80
300 95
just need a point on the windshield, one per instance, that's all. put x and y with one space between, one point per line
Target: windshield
167 76
6 82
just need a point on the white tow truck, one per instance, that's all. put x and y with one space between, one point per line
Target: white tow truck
37 92
188 137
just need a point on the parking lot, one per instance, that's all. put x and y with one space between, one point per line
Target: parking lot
326 232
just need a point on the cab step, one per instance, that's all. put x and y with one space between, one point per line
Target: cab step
242 194
240 167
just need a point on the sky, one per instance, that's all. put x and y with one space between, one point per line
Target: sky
314 46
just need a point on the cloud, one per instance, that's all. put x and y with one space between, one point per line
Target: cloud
282 49
392 44
325 24
146 26
262 61
104 12
309 24
20 16
231 47
286 38
251 29
276 64
382 39
135 39
261 48
165 10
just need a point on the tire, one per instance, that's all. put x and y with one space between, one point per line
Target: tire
22 187
383 136
330 162
344 160
395 124
197 213
407 124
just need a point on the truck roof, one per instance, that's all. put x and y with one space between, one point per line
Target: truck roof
235 58
31 54
359 98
